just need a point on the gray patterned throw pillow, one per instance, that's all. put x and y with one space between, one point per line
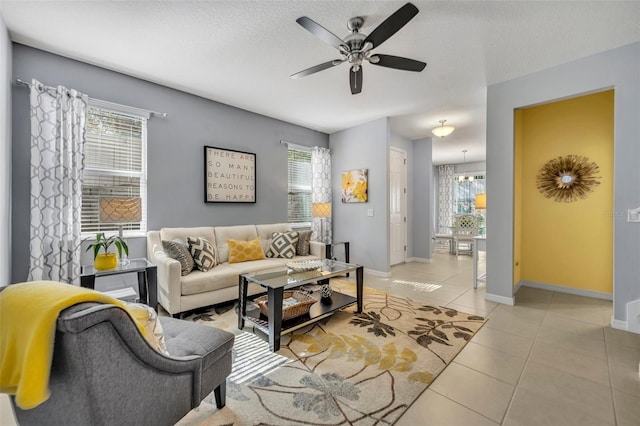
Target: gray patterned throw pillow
283 244
204 255
303 247
179 251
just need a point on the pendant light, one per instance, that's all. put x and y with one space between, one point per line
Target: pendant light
443 130
463 176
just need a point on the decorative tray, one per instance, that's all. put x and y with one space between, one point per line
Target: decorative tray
304 265
294 304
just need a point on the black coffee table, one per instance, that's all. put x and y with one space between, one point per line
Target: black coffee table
276 281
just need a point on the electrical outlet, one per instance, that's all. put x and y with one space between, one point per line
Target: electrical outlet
370 212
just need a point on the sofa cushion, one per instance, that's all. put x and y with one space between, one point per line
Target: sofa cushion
242 251
265 233
239 233
179 251
181 234
303 248
258 265
222 276
283 244
204 255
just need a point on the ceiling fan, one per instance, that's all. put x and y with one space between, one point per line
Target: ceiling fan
357 47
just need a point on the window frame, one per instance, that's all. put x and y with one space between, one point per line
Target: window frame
456 182
298 225
142 174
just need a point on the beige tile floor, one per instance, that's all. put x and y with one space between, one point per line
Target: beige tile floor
551 359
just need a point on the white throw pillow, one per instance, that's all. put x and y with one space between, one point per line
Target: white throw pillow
148 318
283 244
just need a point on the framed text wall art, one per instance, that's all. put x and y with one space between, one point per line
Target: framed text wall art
229 176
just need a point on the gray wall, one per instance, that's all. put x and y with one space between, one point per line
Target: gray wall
478 166
175 148
618 69
5 154
363 147
424 199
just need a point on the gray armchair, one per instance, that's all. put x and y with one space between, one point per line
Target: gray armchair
105 373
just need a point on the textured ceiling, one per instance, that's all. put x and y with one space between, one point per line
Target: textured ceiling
242 52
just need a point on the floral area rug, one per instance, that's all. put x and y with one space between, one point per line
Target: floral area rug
348 369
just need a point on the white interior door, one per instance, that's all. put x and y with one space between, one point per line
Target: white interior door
398 205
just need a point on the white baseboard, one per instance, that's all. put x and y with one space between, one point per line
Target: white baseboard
418 259
377 273
569 290
500 299
619 325
517 287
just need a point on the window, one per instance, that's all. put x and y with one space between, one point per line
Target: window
299 200
465 190
114 165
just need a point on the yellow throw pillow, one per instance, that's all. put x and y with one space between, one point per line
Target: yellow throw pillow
243 251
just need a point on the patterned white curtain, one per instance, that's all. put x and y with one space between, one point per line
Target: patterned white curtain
445 197
321 192
57 159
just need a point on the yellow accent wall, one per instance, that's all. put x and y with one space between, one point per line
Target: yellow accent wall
565 244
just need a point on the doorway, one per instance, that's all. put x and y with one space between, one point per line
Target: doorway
565 244
397 206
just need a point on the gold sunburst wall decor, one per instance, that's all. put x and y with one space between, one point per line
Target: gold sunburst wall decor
566 179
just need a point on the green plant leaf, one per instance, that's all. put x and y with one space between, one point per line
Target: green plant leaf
119 247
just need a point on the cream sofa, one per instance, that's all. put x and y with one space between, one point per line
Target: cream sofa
178 293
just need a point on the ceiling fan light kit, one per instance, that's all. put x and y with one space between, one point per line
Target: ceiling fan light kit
356 47
443 130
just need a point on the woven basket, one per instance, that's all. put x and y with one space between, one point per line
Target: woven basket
301 308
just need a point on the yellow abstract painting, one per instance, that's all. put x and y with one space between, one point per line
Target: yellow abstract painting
354 186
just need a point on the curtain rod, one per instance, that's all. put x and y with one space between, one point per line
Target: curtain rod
296 146
107 104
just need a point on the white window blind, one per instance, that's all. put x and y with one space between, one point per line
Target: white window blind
114 166
299 199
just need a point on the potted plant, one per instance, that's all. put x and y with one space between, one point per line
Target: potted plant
107 260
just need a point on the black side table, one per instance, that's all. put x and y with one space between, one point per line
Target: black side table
147 278
328 250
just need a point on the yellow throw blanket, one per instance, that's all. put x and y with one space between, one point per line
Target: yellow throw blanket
28 315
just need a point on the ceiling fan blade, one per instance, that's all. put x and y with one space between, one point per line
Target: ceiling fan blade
321 32
392 24
355 80
317 68
397 62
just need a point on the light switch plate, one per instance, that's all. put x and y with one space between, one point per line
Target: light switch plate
633 215
370 212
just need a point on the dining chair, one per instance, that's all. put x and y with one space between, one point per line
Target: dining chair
466 226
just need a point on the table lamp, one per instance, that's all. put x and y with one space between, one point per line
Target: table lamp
481 204
322 211
120 210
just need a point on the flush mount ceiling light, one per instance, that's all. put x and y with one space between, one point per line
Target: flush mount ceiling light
443 130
